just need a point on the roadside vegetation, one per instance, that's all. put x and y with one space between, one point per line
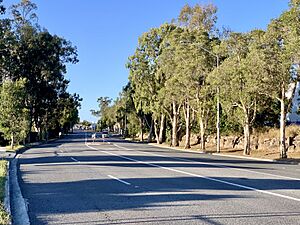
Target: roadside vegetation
34 102
183 71
4 217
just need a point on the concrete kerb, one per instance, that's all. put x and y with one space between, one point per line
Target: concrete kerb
18 203
226 155
7 193
12 185
244 157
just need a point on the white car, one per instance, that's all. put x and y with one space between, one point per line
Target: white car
105 134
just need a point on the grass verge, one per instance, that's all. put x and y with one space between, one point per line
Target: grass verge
273 154
4 217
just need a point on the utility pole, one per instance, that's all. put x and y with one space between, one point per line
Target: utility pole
218 93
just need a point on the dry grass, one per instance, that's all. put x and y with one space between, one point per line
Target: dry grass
291 131
263 154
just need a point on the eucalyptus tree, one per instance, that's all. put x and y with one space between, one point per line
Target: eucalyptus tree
145 78
24 13
68 106
201 62
125 108
198 17
279 60
13 113
236 79
199 22
106 113
186 67
171 94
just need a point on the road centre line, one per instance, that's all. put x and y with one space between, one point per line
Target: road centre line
211 164
200 176
122 181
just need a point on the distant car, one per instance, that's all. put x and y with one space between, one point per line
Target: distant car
105 134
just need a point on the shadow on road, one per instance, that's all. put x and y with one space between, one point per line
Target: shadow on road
144 193
109 195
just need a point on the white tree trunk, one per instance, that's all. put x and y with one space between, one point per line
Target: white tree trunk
282 144
202 134
187 125
246 138
174 125
161 129
12 141
156 131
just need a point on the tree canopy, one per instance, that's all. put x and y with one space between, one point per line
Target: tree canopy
179 70
37 58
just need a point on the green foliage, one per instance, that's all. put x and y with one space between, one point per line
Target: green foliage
68 106
145 77
177 69
106 113
13 114
4 217
32 53
86 123
133 125
2 8
199 17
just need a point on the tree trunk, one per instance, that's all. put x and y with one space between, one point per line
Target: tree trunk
161 129
12 141
282 145
187 125
150 131
174 126
142 132
202 134
30 126
125 127
156 131
246 138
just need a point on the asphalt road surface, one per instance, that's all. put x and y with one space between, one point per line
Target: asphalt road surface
114 182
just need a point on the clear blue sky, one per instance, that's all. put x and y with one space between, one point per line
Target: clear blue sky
106 33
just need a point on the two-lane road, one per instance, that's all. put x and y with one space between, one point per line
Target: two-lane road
73 182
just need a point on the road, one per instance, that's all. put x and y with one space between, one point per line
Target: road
114 182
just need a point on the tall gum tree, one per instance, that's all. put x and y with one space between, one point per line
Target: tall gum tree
200 34
193 71
279 64
13 113
171 92
236 81
145 78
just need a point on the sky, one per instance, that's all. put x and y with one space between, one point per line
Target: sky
106 33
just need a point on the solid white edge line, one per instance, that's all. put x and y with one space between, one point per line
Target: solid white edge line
201 176
122 181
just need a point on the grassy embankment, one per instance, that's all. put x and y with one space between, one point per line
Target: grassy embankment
4 217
